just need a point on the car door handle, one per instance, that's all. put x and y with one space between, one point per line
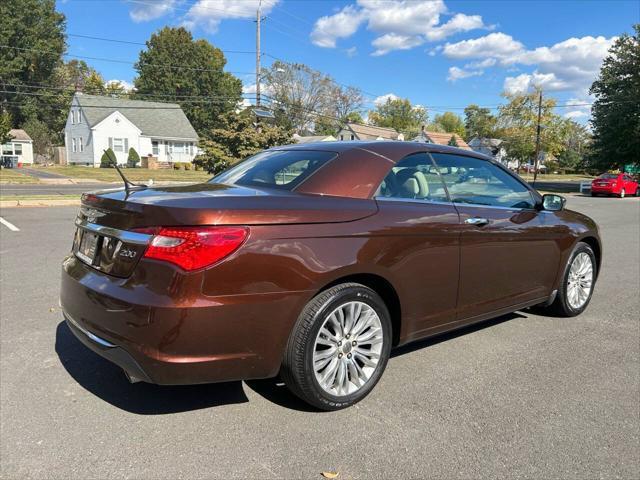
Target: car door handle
478 221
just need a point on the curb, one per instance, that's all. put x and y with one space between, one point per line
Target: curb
39 203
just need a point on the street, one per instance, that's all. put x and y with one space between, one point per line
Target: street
518 396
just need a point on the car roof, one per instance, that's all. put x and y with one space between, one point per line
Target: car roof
392 150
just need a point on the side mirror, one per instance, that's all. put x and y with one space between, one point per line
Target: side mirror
553 203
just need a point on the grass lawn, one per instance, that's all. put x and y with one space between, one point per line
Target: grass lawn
133 174
11 175
553 177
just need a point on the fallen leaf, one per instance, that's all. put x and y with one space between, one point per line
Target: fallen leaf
330 474
52 309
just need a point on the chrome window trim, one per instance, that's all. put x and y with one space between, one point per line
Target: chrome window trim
412 200
122 235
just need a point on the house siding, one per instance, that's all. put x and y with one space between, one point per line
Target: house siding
76 130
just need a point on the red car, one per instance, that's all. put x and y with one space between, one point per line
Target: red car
620 184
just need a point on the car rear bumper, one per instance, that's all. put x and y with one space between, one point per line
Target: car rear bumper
598 189
169 340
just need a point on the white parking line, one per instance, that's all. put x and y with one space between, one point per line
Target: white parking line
9 225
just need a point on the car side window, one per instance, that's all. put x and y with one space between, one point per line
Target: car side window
413 177
479 182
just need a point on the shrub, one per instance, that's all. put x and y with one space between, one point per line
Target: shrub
187 165
106 159
453 142
177 165
133 159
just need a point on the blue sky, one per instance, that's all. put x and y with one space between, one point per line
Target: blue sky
438 53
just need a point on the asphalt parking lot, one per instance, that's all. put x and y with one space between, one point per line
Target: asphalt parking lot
519 396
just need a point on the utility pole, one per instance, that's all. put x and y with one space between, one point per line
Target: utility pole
535 163
258 19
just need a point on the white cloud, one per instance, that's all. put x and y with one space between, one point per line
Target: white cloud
391 41
382 99
143 11
494 45
576 114
568 65
486 63
400 24
343 24
128 86
456 73
351 52
525 82
459 23
208 14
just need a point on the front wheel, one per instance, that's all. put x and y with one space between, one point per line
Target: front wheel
577 283
339 347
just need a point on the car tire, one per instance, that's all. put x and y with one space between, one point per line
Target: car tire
308 348
563 305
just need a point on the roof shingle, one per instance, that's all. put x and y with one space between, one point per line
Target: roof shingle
155 119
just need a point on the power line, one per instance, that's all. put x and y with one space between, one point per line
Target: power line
112 60
113 40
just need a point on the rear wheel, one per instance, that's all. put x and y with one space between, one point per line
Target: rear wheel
339 347
577 283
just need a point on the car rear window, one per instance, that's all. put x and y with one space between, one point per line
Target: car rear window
282 169
608 176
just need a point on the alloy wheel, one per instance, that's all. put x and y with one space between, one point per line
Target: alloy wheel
347 348
580 280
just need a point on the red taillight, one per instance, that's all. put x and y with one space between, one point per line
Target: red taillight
192 248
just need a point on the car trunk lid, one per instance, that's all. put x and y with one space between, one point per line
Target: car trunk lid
106 240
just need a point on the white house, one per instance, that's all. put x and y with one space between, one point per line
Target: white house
96 123
355 131
18 150
490 146
313 138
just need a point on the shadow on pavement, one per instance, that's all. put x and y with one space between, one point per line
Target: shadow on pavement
443 337
106 381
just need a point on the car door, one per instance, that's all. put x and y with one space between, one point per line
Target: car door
421 244
508 252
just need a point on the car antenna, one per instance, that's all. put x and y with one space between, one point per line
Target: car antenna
127 183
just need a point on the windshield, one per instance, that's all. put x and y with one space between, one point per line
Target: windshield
608 176
282 169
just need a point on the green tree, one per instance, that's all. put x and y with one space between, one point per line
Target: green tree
450 123
133 159
42 138
479 122
175 66
106 158
517 121
236 140
400 115
576 145
453 142
35 32
5 127
616 110
115 88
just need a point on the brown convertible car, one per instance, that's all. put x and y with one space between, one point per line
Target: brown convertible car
314 262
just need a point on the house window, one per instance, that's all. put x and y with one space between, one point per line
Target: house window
17 149
341 137
178 147
80 145
353 137
78 118
7 149
155 148
73 117
73 145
